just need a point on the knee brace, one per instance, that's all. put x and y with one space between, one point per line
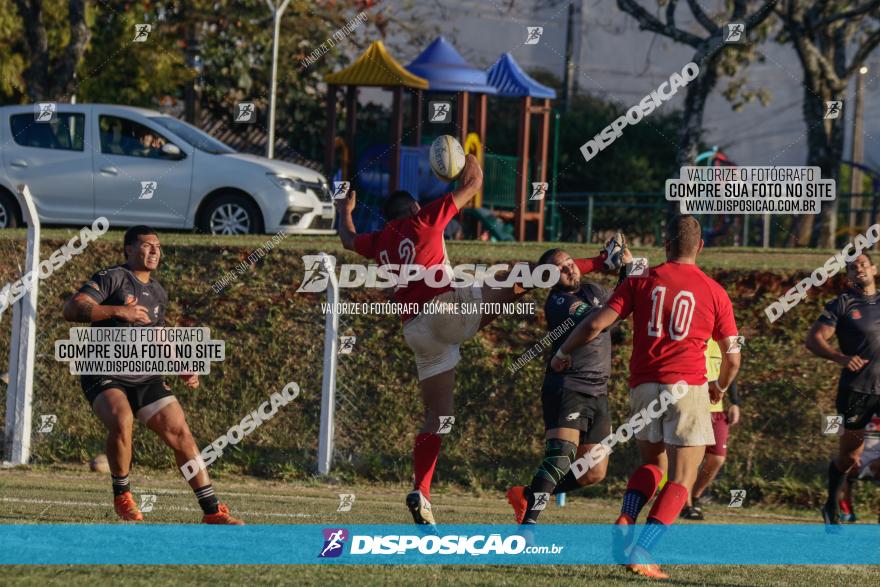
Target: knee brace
558 455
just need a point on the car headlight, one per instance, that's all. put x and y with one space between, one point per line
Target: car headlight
287 183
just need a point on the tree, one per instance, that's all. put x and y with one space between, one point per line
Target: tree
708 54
117 70
50 74
12 62
821 32
233 41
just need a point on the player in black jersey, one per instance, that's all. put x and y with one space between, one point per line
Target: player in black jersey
575 401
126 296
854 316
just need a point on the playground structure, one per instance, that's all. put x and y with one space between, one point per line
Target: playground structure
513 82
440 73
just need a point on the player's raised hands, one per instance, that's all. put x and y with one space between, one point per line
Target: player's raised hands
853 363
346 205
615 249
471 177
626 255
133 313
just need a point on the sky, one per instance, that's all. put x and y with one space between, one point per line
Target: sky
618 61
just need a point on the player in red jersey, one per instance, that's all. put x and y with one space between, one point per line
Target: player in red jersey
413 236
675 309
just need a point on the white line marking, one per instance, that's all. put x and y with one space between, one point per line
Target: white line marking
167 508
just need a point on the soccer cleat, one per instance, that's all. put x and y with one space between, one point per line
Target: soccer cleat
126 508
527 532
847 514
516 497
830 515
641 563
622 534
693 512
420 508
221 517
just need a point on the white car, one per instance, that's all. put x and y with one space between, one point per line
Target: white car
137 166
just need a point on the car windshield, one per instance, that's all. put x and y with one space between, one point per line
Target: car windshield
195 137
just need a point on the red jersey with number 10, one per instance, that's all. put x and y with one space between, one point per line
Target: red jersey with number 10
676 309
413 240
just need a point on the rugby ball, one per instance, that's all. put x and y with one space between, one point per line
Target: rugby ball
447 157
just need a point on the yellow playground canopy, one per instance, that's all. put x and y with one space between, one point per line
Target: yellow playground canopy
375 67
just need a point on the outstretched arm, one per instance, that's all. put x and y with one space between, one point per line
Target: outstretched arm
344 208
600 263
469 182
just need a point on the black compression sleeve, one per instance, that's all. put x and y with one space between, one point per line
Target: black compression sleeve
732 394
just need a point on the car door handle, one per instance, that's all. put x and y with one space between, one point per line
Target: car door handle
18 163
109 171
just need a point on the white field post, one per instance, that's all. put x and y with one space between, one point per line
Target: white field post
328 384
277 13
19 394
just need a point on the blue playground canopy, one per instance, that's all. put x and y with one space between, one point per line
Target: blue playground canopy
447 71
510 80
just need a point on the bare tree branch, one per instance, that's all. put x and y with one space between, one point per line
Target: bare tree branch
862 53
670 12
760 15
858 11
702 17
649 22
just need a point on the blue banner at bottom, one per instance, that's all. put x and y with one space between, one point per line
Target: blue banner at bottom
689 544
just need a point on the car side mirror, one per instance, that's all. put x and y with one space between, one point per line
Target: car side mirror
172 151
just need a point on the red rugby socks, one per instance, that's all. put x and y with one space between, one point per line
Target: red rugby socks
669 503
425 453
640 489
664 512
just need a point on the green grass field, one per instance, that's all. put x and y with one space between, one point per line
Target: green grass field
71 494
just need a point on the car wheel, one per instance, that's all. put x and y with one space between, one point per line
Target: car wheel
231 215
8 212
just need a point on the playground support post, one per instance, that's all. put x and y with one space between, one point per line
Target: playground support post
554 211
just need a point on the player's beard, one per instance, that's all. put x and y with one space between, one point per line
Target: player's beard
574 286
861 284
